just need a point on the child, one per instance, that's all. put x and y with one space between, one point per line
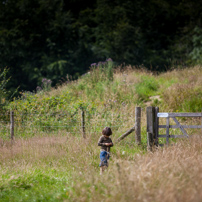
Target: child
105 142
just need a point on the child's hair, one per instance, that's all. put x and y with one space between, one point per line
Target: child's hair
107 131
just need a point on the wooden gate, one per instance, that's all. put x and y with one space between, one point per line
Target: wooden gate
153 126
173 116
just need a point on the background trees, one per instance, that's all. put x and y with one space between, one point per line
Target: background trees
54 38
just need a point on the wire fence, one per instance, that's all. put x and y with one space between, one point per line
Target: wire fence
29 124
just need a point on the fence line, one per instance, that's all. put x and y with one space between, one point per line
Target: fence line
56 127
153 126
39 123
53 113
103 125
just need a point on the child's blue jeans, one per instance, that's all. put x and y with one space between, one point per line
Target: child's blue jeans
104 156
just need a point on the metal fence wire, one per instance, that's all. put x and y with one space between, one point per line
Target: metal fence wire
19 124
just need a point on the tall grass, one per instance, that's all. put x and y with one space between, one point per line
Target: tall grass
109 97
66 169
50 161
169 174
184 93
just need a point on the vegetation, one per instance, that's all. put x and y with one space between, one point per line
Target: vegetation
3 91
66 169
53 38
50 161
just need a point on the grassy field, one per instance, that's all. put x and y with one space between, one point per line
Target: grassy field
50 161
61 169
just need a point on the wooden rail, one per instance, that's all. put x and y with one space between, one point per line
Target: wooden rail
178 125
153 126
165 115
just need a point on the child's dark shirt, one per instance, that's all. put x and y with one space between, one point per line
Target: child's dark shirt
104 140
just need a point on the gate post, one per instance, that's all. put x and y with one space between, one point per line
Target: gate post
156 127
150 127
12 124
138 125
83 123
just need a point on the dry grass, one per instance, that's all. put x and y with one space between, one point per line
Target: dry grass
61 152
183 92
169 174
179 88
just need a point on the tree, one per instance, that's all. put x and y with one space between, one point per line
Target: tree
50 39
3 91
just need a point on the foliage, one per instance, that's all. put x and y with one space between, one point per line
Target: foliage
50 161
106 98
196 53
3 92
50 39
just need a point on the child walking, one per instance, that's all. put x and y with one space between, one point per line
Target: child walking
105 142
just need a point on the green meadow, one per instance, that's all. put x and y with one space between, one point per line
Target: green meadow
49 160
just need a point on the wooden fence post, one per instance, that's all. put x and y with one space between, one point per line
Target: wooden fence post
156 126
12 125
150 127
138 125
83 123
149 141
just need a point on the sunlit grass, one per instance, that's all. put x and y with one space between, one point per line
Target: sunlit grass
66 169
50 161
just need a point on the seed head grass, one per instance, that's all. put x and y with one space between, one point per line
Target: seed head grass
50 161
66 169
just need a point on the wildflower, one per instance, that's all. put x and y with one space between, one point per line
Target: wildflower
38 88
93 64
49 81
46 84
109 60
44 80
99 64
